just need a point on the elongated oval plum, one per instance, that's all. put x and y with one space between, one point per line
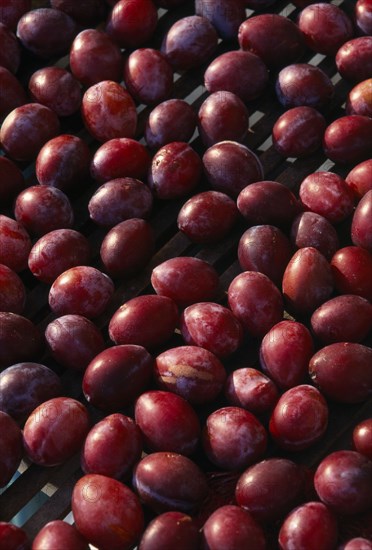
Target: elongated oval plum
59 534
106 512
120 158
331 321
74 341
265 248
193 373
251 389
307 281
126 28
185 280
359 178
121 435
348 139
213 327
171 530
256 302
361 226
299 131
343 371
116 376
55 431
353 59
11 448
167 422
268 202
148 320
170 481
285 353
233 438
299 419
25 386
311 229
351 270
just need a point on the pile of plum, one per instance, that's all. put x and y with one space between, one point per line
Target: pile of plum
192 398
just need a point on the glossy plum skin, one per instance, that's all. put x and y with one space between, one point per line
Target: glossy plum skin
225 19
285 353
351 270
256 302
56 534
327 194
362 437
274 38
81 290
232 527
127 27
12 92
10 56
357 543
148 76
325 27
311 525
12 11
26 129
167 422
55 431
191 372
363 16
230 166
12 291
25 386
171 120
361 226
106 512
11 180
117 376
268 202
207 217
252 390
303 84
74 341
359 100
20 339
90 68
42 208
299 419
12 536
222 116
186 280
298 132
15 244
233 438
57 89
122 436
127 247
331 321
11 448
109 111
266 249
118 200
63 162
353 59
175 171
342 481
120 158
46 32
213 327
170 530
307 281
348 140
343 371
148 320
269 489
57 251
239 72
190 42
313 230
359 180
168 481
